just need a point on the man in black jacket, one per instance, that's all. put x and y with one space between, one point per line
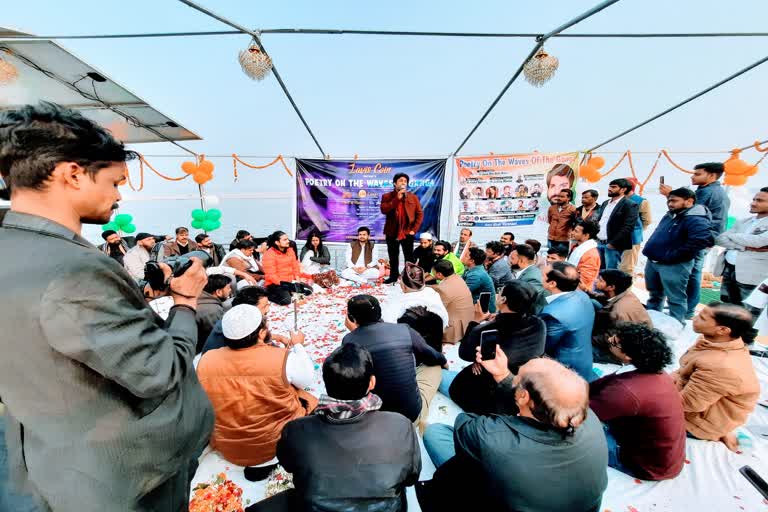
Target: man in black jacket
216 251
403 386
324 450
618 216
552 455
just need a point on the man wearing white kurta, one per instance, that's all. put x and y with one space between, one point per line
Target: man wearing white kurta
362 259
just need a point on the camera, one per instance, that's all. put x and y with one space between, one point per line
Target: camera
153 272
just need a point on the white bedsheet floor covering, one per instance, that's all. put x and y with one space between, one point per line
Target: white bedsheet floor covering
710 480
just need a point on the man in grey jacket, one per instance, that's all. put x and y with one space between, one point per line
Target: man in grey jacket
103 406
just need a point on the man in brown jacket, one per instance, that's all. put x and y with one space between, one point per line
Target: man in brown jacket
457 299
561 217
404 216
181 245
716 379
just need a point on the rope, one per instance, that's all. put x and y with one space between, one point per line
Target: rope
407 33
257 39
688 100
142 163
236 159
540 40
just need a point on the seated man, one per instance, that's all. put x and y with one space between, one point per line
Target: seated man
556 254
497 264
424 253
323 451
254 296
522 261
215 251
443 252
620 304
477 278
550 456
569 316
457 300
403 386
716 379
210 306
584 254
255 389
641 409
180 246
114 246
136 258
362 259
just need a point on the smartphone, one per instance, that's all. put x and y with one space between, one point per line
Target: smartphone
661 180
753 478
488 341
485 301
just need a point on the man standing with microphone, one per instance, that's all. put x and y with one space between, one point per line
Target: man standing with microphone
404 216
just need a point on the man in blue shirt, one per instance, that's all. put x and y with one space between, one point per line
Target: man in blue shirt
710 194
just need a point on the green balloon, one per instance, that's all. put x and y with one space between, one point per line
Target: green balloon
198 214
123 219
129 228
197 224
216 225
208 224
730 222
109 226
213 214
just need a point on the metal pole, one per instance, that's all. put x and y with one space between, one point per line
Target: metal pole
257 38
678 105
540 40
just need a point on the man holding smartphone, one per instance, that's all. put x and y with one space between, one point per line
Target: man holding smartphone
104 409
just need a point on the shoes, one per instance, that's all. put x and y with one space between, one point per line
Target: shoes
258 473
391 280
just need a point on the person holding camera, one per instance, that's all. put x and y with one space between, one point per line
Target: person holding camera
103 406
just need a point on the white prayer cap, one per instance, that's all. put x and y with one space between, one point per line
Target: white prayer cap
240 321
426 236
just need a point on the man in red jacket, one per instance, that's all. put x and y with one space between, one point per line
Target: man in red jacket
404 216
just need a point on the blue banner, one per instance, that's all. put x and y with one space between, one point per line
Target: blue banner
336 197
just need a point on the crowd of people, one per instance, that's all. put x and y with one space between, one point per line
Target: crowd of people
105 408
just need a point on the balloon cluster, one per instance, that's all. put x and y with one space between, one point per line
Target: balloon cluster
737 170
202 172
122 222
590 170
206 220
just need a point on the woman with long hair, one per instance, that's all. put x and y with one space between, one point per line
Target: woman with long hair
492 192
315 257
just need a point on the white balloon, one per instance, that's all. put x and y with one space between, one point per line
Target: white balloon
211 201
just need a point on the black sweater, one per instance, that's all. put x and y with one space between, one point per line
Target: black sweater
394 347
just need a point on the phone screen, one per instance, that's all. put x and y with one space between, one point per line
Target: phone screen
661 180
488 341
485 301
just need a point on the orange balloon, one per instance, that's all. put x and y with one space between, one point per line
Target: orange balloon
734 180
189 167
597 162
205 166
200 178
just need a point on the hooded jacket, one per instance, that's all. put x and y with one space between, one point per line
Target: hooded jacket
679 238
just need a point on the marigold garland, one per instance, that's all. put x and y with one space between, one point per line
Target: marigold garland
279 158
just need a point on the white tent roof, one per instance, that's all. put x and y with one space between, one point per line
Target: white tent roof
49 72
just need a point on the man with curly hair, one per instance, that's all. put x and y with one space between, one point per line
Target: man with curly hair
640 407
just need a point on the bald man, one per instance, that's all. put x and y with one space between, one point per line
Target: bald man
569 315
519 461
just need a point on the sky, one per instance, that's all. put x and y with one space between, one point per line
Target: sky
407 96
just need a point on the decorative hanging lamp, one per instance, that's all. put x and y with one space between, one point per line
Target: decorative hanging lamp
540 68
255 62
8 72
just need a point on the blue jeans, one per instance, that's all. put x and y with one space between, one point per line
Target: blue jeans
668 281
438 441
694 283
614 452
446 379
609 258
8 499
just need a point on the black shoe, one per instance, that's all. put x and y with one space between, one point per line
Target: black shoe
257 474
391 280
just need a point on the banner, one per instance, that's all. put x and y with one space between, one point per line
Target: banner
512 191
336 197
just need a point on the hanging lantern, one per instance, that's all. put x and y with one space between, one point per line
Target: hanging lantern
8 72
540 68
255 63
